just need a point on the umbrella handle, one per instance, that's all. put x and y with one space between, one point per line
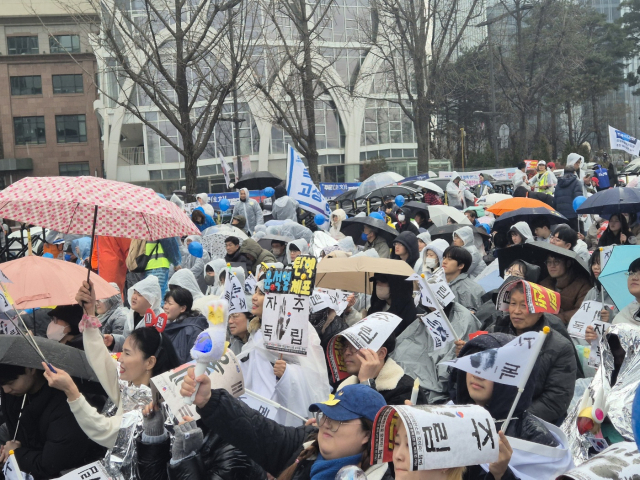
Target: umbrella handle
93 239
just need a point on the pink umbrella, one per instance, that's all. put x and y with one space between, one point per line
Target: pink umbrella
42 282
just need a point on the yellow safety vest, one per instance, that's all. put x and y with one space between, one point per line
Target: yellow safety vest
543 182
158 259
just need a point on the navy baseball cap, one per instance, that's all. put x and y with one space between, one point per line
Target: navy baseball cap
353 401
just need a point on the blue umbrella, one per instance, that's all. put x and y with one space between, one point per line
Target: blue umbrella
635 417
613 277
613 200
506 220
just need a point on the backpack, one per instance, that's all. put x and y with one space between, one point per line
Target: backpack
137 249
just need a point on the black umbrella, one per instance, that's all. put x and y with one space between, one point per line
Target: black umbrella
612 201
258 181
265 242
15 350
446 231
537 253
529 215
390 191
413 207
355 226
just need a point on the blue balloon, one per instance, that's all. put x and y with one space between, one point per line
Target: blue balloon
47 255
399 200
195 249
319 219
377 215
224 204
268 192
578 201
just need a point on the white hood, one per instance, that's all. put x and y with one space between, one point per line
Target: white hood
466 235
523 229
302 245
186 279
149 288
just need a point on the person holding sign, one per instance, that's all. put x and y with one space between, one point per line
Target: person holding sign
341 435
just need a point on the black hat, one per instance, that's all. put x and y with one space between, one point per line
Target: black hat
72 314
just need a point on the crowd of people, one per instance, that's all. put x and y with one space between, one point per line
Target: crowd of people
53 423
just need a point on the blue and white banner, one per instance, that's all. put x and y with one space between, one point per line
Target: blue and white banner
301 188
619 140
333 190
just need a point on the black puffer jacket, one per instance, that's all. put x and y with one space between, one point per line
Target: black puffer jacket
216 460
272 446
523 425
557 370
568 188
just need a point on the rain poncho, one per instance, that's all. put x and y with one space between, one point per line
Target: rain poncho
334 231
176 199
208 220
572 160
284 207
81 248
467 292
305 380
186 279
250 210
320 241
301 243
414 352
195 264
149 288
524 230
438 246
114 318
207 207
425 237
288 228
477 263
217 265
455 196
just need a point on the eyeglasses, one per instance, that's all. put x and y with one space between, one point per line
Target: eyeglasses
553 263
514 273
633 275
333 425
347 347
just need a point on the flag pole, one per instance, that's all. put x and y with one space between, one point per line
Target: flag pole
274 404
525 376
440 309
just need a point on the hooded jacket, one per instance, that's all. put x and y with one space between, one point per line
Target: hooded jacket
524 425
568 188
437 246
467 292
183 332
207 207
250 210
334 231
409 241
524 230
454 194
195 264
477 263
251 247
284 207
242 222
217 265
302 245
407 225
557 370
402 305
380 245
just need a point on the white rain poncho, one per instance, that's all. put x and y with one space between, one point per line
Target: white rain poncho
250 210
217 266
285 208
149 288
185 279
176 199
524 230
206 206
302 245
454 193
477 263
114 318
319 241
289 228
334 231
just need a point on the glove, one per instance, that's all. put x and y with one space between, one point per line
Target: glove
188 440
153 424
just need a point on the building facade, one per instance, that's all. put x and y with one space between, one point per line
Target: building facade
47 123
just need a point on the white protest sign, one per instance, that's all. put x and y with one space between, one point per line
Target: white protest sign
4 278
439 330
425 295
12 472
340 298
595 356
605 255
440 287
506 364
250 284
93 471
225 373
285 323
618 462
588 313
439 436
234 294
618 140
5 301
265 409
7 327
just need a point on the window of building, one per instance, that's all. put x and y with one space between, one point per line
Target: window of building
28 85
67 84
64 44
23 45
76 169
71 128
29 130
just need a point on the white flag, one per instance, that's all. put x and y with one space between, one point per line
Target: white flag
234 294
510 364
439 329
439 287
619 140
225 169
300 187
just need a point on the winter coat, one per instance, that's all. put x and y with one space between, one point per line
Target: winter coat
402 305
557 371
392 383
568 188
407 226
410 242
477 263
285 208
414 352
216 460
208 220
629 314
379 245
272 446
524 425
334 231
251 247
250 210
51 439
521 191
572 289
519 179
337 325
454 194
183 332
113 320
240 258
468 293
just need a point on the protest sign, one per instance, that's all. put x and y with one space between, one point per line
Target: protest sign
304 275
7 327
11 470
439 288
618 140
439 329
225 373
618 462
277 280
285 323
234 294
506 364
93 471
4 278
371 332
339 297
250 284
538 298
333 190
6 301
225 169
588 313
321 300
265 409
605 255
439 436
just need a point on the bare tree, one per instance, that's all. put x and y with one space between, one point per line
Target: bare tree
182 57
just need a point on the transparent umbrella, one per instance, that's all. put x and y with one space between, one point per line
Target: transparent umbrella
378 180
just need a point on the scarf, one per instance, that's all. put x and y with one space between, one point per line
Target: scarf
327 469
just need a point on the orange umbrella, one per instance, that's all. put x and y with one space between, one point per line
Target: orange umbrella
511 204
43 282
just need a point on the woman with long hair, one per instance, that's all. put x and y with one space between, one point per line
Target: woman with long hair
617 233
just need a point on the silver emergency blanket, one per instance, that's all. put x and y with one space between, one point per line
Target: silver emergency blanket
619 397
120 461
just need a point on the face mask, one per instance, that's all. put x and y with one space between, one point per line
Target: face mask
401 218
276 252
364 236
67 257
382 292
55 332
430 262
210 280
